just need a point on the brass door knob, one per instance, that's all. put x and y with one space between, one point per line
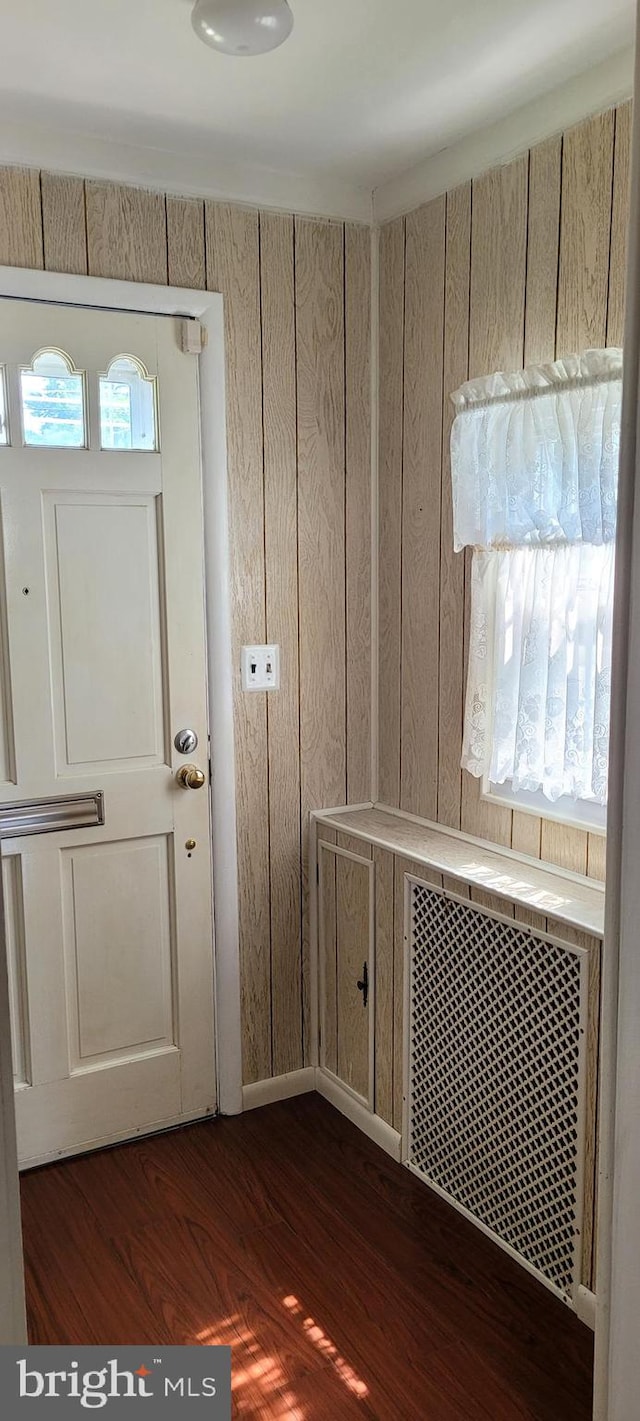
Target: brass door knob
190 777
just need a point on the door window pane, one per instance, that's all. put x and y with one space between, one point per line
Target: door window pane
52 395
127 406
4 432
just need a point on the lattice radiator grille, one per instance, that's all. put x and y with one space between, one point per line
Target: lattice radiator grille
496 1070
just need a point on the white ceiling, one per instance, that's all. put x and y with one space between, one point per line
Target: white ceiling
363 89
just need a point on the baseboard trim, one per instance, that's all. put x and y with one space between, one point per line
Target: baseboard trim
278 1088
377 1130
585 1304
301 1082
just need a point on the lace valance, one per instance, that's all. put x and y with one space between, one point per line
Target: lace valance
534 454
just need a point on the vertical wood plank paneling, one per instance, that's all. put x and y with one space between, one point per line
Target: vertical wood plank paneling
619 225
456 366
357 318
281 551
496 342
384 984
233 269
543 237
185 243
422 463
319 272
126 233
563 845
526 837
587 173
282 627
587 166
64 224
498 261
391 388
20 218
597 856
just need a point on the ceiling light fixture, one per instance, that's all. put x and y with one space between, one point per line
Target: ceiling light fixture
242 27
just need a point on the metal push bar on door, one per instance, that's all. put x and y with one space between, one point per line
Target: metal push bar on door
48 816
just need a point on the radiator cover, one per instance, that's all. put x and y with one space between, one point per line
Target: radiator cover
496 1072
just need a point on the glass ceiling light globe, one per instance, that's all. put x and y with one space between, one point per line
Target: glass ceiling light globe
242 26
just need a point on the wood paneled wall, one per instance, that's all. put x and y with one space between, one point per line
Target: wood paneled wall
297 300
524 264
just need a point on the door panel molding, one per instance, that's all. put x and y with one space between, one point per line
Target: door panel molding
119 1005
12 894
124 551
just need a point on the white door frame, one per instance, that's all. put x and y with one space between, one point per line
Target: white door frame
207 308
617 1370
13 1320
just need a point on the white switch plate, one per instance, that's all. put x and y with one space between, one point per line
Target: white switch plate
260 668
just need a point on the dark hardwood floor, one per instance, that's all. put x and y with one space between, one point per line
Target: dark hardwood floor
344 1286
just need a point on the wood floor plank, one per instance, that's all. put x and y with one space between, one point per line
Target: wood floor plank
343 1285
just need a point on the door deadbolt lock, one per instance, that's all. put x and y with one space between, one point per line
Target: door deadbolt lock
190 777
186 742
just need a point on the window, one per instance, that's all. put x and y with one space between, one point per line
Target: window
534 466
127 406
52 399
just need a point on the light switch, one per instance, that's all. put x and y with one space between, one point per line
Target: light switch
260 668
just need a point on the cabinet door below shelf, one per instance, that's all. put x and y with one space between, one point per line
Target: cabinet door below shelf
346 886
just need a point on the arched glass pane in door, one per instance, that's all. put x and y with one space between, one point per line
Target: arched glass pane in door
127 406
52 402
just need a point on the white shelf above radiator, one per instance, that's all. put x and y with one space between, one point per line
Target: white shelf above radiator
552 892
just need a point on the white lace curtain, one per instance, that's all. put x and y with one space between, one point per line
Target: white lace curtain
534 459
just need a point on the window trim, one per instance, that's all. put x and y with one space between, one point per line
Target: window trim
591 817
5 427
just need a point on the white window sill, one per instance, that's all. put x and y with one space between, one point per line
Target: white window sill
578 814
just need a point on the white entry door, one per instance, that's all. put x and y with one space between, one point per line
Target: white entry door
102 654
